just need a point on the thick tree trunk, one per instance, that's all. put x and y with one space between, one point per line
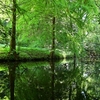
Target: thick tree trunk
13 34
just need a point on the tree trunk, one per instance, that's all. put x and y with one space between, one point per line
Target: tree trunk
53 38
13 34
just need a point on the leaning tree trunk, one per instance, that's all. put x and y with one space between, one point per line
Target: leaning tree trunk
13 34
53 38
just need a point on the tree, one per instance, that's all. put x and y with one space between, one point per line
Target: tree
13 34
57 24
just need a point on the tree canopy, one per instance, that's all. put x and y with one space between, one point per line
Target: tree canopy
76 23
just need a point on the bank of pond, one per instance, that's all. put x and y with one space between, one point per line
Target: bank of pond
29 54
36 54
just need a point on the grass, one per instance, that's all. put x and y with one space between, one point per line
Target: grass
26 53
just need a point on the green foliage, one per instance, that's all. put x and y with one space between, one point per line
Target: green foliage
74 19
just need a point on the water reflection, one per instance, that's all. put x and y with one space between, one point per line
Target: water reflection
3 82
50 81
12 69
52 65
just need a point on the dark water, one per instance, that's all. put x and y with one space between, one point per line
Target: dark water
50 81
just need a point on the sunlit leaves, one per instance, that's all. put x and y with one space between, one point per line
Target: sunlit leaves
34 21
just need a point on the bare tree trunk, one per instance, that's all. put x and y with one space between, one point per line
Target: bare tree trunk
53 38
13 34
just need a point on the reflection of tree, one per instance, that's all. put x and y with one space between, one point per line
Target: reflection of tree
33 83
52 79
12 69
57 82
4 85
91 72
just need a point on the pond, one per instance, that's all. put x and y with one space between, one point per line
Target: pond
63 80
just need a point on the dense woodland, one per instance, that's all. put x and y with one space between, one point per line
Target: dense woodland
49 49
44 28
